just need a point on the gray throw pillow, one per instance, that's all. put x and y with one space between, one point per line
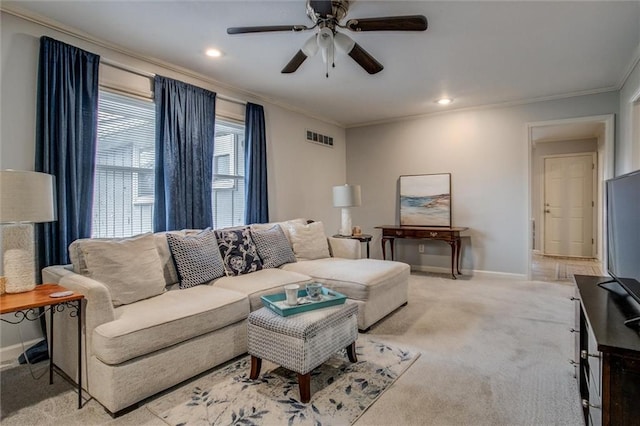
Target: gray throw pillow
197 257
273 247
238 251
129 267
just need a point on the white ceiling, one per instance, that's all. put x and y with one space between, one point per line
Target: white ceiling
479 53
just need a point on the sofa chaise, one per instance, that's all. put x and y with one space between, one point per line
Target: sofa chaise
156 312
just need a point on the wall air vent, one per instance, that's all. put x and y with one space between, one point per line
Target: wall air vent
315 137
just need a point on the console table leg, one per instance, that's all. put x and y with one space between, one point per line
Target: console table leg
453 258
392 243
458 250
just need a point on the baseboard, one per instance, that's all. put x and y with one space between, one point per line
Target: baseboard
10 354
470 273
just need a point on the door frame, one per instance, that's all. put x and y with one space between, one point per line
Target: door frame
605 171
594 197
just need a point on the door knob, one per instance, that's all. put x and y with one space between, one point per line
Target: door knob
547 211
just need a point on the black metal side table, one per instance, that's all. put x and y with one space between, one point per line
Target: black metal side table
363 238
25 306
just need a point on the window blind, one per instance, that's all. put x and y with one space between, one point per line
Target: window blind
125 161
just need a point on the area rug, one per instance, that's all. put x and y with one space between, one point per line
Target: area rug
340 391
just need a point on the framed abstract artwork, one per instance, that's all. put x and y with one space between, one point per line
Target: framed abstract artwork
425 200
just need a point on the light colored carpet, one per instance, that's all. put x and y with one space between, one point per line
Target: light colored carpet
493 352
340 391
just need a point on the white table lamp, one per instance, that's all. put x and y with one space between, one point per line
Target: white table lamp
25 198
346 196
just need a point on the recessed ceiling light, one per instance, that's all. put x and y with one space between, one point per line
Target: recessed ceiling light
214 53
444 101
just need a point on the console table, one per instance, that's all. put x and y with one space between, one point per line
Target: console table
450 236
25 306
607 353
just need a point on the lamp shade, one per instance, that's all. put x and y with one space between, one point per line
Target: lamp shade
346 196
26 197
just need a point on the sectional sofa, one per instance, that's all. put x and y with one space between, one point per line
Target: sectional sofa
161 308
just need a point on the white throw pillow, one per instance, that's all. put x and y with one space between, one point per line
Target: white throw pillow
308 241
129 267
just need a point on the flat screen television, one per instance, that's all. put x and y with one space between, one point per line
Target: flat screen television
623 233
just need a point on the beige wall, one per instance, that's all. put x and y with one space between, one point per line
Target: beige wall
486 152
628 146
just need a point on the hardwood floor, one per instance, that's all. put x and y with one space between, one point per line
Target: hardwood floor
562 269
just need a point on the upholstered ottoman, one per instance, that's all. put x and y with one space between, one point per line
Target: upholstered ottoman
301 342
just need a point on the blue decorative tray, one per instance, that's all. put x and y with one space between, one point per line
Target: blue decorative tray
277 302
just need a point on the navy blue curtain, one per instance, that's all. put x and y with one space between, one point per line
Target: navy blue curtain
185 134
66 132
255 166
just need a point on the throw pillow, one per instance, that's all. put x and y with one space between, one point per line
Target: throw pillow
197 257
129 267
273 247
309 241
238 251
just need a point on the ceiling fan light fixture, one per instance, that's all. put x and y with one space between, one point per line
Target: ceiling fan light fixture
310 47
325 38
444 101
344 43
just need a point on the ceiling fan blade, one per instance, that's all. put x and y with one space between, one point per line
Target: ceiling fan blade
389 23
294 63
265 29
365 60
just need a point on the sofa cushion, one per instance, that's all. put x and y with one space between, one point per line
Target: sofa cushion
129 267
197 257
266 281
273 247
356 279
165 320
308 241
284 225
238 251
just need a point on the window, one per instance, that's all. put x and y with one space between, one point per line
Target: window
125 161
228 174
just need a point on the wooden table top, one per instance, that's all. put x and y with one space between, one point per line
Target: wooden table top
425 228
36 298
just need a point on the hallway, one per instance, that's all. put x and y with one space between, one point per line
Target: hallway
562 269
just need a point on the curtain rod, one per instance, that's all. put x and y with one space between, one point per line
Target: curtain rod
148 74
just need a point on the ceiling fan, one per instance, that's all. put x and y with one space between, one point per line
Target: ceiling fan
326 16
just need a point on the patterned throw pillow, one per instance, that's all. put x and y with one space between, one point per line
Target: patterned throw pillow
238 251
197 257
273 247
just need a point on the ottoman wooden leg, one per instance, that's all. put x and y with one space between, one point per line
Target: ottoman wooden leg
351 352
304 383
256 365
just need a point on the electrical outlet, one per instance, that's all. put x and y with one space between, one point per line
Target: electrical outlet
420 248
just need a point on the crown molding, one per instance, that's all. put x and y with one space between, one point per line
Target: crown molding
488 106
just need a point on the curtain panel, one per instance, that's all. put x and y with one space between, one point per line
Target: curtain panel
256 203
66 134
185 135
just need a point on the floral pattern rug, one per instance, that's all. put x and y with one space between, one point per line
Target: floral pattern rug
340 391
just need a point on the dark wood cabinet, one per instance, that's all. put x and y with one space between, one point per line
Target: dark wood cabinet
607 354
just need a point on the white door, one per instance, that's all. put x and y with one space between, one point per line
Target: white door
569 205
